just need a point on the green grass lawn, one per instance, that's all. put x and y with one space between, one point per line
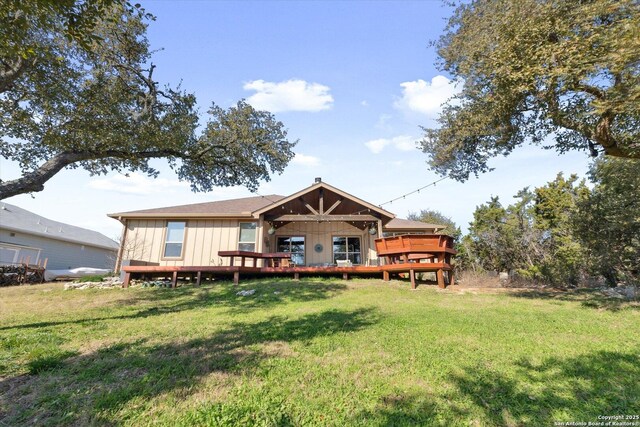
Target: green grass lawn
314 352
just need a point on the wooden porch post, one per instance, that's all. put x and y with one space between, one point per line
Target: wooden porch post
127 279
451 278
440 276
412 276
198 278
123 241
174 279
236 277
385 276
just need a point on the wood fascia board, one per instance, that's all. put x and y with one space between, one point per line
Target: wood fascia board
120 217
287 199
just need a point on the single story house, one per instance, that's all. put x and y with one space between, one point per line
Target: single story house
27 237
318 225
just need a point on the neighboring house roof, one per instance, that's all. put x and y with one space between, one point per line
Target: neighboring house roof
407 224
17 219
226 208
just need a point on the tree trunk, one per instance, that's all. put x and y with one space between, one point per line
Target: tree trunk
34 181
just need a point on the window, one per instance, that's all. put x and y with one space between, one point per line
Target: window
174 239
347 248
294 245
247 240
8 255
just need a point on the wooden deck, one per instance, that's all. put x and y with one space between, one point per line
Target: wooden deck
199 273
409 254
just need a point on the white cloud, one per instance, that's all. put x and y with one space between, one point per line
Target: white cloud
426 97
402 143
137 183
304 160
290 95
364 103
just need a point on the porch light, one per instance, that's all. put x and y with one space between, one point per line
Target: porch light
272 230
372 230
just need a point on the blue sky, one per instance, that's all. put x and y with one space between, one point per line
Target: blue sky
352 81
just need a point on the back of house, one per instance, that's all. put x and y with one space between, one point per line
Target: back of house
319 225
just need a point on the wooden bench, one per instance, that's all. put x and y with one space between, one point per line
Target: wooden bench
417 252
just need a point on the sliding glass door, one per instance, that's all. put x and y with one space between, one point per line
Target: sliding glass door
294 245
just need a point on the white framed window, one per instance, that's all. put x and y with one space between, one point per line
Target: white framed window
174 240
247 238
347 248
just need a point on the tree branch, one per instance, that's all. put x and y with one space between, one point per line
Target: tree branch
10 72
591 90
34 181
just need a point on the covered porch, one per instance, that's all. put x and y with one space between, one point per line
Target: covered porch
323 226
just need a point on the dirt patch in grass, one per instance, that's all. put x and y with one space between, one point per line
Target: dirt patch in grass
277 349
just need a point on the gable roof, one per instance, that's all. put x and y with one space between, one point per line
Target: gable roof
323 185
17 219
243 207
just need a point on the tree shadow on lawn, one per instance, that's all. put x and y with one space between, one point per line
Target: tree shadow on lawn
574 389
92 388
268 294
560 389
588 298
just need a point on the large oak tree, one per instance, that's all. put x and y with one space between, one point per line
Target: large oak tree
536 71
77 90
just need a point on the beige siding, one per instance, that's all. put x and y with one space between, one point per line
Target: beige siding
203 240
322 233
205 237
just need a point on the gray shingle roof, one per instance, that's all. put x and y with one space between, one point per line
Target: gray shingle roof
17 219
240 207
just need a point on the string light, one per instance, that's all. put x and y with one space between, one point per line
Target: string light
404 196
265 197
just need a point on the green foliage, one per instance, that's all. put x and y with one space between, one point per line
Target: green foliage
537 69
607 221
488 237
564 258
533 236
435 217
77 90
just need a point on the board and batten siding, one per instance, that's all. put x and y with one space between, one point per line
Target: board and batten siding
323 233
203 239
61 254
